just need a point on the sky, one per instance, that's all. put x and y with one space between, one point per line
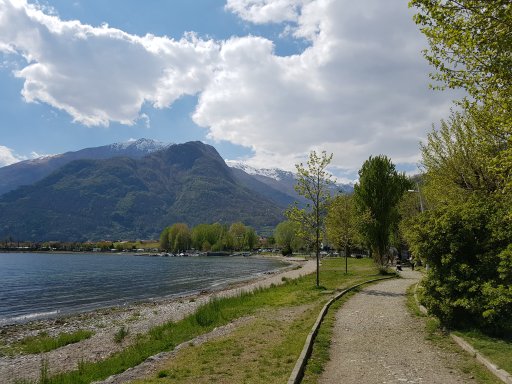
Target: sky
264 81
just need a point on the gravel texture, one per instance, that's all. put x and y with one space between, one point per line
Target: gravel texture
105 323
376 340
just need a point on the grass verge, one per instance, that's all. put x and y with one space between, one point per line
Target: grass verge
283 316
460 360
499 351
45 343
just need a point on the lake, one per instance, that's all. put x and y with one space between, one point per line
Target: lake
38 285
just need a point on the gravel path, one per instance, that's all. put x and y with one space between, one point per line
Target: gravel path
376 340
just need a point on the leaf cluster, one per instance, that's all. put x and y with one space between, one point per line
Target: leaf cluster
469 44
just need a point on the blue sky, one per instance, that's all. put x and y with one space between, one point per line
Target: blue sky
264 81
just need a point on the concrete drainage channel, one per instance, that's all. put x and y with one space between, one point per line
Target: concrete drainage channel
298 370
498 372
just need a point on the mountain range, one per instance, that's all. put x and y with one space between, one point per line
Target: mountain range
133 190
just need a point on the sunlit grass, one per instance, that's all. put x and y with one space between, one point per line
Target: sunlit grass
44 343
273 347
498 350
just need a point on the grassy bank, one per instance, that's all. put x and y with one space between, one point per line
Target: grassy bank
261 350
497 350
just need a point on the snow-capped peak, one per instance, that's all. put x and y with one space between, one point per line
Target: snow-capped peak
144 145
273 173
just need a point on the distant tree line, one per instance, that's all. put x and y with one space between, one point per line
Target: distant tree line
179 237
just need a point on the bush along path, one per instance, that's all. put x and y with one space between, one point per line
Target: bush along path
376 340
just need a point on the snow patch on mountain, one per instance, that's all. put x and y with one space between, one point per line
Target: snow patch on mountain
143 145
273 173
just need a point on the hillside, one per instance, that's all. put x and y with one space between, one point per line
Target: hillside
122 197
30 171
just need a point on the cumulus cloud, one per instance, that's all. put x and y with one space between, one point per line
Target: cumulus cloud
7 156
266 11
360 88
100 74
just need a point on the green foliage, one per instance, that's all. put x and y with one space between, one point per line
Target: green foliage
376 197
176 238
121 334
464 286
45 343
209 313
313 183
470 43
243 238
457 155
465 235
286 237
342 223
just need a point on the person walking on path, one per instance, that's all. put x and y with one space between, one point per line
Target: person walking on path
376 340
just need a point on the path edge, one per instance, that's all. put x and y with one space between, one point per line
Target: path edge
501 374
298 371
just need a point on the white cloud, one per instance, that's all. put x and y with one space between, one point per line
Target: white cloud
360 88
266 11
100 74
7 156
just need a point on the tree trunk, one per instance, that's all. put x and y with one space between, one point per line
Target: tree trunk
347 250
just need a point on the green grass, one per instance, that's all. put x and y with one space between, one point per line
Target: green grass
499 351
277 358
459 359
120 335
45 343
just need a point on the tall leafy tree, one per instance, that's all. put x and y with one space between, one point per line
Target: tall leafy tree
469 44
237 232
465 235
176 238
377 195
313 182
342 225
286 237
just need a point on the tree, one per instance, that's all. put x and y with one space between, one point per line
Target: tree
237 232
176 238
250 238
164 239
469 280
465 235
286 237
341 225
313 183
377 195
470 43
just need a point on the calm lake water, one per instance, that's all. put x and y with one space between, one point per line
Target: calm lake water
44 285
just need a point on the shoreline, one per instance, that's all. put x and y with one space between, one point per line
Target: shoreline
56 313
105 322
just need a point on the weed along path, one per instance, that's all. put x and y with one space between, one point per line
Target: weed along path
376 340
